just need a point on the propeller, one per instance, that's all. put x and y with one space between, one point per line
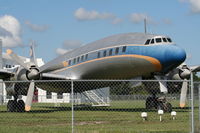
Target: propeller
183 93
33 71
29 98
184 73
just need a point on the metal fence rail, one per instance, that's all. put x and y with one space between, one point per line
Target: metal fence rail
101 106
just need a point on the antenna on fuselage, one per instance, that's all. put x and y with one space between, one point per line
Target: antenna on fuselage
145 25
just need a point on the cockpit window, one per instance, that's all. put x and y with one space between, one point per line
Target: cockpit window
147 42
158 40
169 40
152 41
164 39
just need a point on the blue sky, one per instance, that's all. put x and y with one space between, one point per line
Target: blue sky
62 25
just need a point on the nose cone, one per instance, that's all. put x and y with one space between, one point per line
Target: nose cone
174 56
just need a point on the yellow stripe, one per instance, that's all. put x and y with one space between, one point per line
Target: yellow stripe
152 60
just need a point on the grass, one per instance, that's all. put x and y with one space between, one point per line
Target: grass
120 117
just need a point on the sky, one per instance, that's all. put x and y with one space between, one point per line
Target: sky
58 26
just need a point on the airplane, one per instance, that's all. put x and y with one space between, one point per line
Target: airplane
120 56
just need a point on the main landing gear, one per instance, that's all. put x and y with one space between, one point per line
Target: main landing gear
153 102
15 105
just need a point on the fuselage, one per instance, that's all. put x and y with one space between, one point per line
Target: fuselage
122 56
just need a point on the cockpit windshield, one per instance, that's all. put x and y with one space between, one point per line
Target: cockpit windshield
158 39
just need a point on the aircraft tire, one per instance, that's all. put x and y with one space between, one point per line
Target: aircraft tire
20 106
150 103
11 106
168 107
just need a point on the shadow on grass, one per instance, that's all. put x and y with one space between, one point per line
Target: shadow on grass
48 109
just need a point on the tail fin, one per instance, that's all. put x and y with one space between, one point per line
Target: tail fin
32 53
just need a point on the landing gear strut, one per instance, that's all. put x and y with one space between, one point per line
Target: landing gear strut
154 102
15 106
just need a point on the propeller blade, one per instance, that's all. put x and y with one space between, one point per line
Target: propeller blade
29 96
46 68
32 54
183 93
162 84
195 68
17 59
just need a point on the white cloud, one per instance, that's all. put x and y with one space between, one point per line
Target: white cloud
83 14
37 28
167 21
68 45
194 5
10 31
117 20
61 51
139 18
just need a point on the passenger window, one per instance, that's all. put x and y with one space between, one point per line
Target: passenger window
78 59
98 55
110 52
169 40
104 54
147 42
82 57
74 60
124 49
158 40
69 62
164 39
152 41
86 56
116 50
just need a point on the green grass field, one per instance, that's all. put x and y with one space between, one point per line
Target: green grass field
120 117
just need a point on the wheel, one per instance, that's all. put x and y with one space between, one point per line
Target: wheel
11 106
20 106
151 102
168 107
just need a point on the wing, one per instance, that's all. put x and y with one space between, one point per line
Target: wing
4 74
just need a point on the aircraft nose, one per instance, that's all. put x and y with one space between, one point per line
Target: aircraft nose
174 57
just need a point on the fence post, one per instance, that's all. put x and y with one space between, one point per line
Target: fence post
72 104
192 102
199 107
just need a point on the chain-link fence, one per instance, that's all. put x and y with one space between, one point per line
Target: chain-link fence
99 106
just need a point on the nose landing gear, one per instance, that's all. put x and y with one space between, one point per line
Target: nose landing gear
158 103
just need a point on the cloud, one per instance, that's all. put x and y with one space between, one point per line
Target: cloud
37 28
61 51
194 5
10 31
117 20
139 18
167 21
68 45
82 14
4 32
